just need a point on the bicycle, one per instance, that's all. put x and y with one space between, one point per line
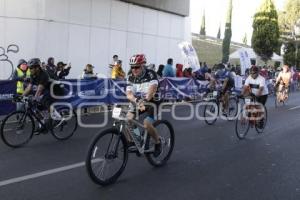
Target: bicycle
213 105
281 95
110 147
250 116
18 128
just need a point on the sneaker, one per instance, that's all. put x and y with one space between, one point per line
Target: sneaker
40 130
132 148
157 150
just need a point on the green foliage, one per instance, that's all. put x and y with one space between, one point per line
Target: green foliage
265 37
289 56
287 20
227 35
202 29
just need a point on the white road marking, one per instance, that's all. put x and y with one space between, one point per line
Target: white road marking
294 108
40 174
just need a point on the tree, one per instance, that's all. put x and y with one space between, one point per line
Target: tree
287 20
289 53
245 41
227 35
265 37
202 29
219 33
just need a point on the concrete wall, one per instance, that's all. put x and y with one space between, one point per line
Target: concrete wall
180 7
89 31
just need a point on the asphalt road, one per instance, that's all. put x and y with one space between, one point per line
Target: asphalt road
208 162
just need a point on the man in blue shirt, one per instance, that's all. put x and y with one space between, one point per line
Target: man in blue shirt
168 69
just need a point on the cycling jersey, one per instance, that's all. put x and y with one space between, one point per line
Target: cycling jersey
224 74
255 84
140 85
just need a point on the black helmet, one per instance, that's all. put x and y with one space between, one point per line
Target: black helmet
34 62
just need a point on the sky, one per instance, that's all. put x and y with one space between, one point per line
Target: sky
215 14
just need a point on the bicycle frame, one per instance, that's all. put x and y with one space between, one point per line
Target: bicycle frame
30 111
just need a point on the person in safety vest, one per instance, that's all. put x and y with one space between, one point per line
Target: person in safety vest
22 77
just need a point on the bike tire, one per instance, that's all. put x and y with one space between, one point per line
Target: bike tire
11 118
257 128
241 119
162 159
232 114
60 132
91 157
212 109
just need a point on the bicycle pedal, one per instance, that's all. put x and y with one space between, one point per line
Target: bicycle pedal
132 149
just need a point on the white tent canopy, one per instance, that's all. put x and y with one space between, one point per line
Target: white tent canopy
252 55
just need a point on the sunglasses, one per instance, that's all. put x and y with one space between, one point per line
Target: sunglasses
135 67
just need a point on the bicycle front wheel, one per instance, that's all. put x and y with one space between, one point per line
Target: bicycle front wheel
107 157
17 129
242 125
65 128
211 111
261 124
167 136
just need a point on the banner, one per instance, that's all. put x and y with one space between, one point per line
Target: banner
244 60
7 90
190 56
107 91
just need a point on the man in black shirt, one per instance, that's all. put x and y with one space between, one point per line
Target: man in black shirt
41 79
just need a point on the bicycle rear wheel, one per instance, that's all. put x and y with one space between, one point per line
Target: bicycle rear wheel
232 108
242 125
211 111
17 129
167 136
65 128
107 157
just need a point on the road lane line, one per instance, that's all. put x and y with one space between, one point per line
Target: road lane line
40 174
294 108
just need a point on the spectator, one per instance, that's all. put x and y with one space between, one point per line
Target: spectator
44 66
51 69
115 59
168 69
151 67
199 74
187 72
117 71
88 72
179 72
61 71
22 76
204 68
160 71
264 72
